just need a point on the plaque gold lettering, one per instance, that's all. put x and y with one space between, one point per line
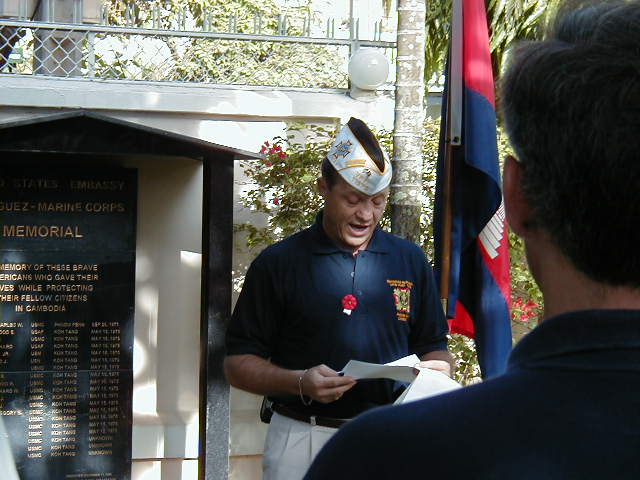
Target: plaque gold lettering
11 412
85 268
58 269
14 206
96 184
46 308
15 277
29 287
15 266
112 207
64 207
37 183
42 231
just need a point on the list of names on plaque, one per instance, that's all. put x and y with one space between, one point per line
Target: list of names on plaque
67 263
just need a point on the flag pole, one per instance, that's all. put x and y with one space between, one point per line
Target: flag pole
453 139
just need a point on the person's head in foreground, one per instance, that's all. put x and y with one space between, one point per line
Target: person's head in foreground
567 407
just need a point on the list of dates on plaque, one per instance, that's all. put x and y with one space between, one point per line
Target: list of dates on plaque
67 276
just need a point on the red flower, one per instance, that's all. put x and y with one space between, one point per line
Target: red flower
523 311
282 155
349 302
276 201
525 317
268 163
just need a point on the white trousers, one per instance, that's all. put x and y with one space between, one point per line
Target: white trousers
290 447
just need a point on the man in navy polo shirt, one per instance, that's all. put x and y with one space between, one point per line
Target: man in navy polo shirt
568 406
342 289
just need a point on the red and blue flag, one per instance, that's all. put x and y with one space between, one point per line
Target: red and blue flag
478 260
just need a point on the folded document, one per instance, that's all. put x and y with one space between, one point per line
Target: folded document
426 384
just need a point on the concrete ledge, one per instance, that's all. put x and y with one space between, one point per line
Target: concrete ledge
221 102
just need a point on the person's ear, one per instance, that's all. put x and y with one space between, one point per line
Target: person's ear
517 209
323 188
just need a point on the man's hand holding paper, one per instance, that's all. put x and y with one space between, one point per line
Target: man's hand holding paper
437 365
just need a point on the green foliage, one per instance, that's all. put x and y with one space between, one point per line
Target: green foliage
180 14
437 30
284 183
512 21
284 190
223 61
509 21
464 351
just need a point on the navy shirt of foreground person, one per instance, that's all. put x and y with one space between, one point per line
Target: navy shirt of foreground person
567 408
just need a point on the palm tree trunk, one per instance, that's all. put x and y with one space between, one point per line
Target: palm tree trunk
406 186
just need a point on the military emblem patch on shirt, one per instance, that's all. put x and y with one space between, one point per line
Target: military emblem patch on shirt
402 297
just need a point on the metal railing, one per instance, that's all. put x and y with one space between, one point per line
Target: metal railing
281 51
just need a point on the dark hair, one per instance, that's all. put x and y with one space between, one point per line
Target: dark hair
329 173
571 107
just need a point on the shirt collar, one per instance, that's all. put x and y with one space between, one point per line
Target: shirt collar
590 339
321 243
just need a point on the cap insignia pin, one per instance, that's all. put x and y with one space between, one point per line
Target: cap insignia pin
342 149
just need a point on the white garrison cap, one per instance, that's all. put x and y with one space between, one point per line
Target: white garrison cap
356 155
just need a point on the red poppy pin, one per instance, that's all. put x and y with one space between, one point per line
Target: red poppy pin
349 303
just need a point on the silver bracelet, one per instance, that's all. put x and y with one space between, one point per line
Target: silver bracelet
304 402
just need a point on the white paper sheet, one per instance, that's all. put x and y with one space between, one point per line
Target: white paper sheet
426 384
400 370
408 361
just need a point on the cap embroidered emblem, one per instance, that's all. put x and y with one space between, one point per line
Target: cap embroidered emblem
342 149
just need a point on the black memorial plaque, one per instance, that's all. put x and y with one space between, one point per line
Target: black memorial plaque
67 277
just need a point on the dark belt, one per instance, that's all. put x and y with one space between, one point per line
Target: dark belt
311 419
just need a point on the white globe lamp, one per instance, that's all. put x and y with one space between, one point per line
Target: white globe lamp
368 68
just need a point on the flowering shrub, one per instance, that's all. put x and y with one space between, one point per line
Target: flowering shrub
526 298
284 184
523 310
284 190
